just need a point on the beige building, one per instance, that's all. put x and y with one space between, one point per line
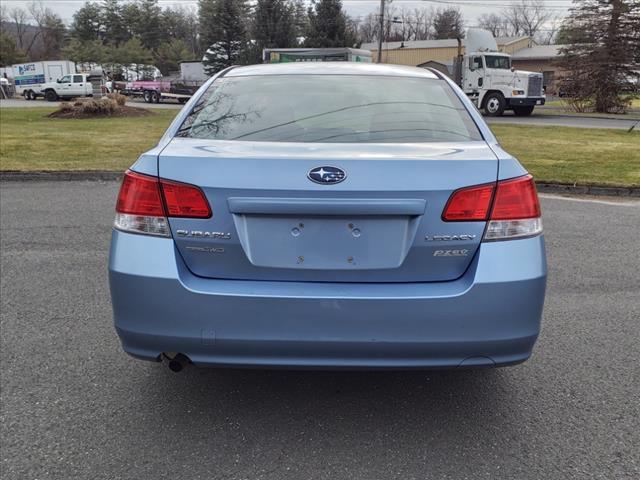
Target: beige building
419 52
439 54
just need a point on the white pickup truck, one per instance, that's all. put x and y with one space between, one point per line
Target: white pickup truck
69 86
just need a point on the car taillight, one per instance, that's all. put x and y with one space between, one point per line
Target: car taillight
469 204
511 207
184 200
145 202
516 210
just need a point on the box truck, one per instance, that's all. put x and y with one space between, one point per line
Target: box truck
29 77
284 55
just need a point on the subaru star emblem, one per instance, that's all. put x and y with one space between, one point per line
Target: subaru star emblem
327 174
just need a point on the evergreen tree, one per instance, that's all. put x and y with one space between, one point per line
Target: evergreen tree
600 70
149 25
206 21
169 55
274 24
130 18
328 25
225 33
87 22
115 29
448 23
300 19
85 51
9 52
181 23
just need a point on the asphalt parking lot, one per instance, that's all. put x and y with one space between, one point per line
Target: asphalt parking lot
75 407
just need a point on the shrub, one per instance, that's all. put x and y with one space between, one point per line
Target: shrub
66 107
118 98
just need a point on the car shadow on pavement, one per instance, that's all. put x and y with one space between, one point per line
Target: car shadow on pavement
334 399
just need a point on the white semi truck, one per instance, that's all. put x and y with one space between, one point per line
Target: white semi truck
487 77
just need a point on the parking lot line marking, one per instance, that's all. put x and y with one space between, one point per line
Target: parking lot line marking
621 203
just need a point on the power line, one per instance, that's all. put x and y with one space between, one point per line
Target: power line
467 3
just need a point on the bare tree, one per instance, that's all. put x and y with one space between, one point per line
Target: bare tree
423 18
499 26
4 13
50 30
20 20
527 17
368 28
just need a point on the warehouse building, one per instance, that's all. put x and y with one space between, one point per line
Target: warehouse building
419 52
525 53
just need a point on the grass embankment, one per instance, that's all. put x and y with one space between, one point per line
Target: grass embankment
561 107
585 156
30 141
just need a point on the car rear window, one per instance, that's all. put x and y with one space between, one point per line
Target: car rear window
330 109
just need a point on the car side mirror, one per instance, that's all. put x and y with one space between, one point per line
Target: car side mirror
58 81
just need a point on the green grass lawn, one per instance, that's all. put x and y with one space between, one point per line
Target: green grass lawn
30 141
575 155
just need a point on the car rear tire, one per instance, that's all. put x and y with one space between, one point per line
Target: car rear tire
494 104
523 111
50 96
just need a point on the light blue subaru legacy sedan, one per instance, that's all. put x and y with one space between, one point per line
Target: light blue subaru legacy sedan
328 215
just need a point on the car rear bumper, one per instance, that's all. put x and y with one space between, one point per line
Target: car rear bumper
490 316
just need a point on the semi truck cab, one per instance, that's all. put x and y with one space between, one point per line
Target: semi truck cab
488 78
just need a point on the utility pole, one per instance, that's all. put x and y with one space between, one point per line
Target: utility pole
381 31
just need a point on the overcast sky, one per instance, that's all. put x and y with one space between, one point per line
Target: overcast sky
356 8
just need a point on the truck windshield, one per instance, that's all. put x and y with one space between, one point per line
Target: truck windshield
330 109
498 62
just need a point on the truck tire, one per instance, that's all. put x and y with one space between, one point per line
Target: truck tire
155 97
27 95
523 111
147 96
494 104
50 96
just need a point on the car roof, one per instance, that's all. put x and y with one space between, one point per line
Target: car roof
330 68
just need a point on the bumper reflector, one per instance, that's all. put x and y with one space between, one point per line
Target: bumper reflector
142 224
511 229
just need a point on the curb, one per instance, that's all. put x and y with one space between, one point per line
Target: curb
568 115
87 175
107 176
596 190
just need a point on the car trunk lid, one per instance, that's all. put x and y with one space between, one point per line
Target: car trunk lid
381 223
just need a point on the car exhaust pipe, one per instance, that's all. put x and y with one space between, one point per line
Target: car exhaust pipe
176 361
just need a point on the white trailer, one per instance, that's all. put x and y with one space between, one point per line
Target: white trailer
193 72
29 77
